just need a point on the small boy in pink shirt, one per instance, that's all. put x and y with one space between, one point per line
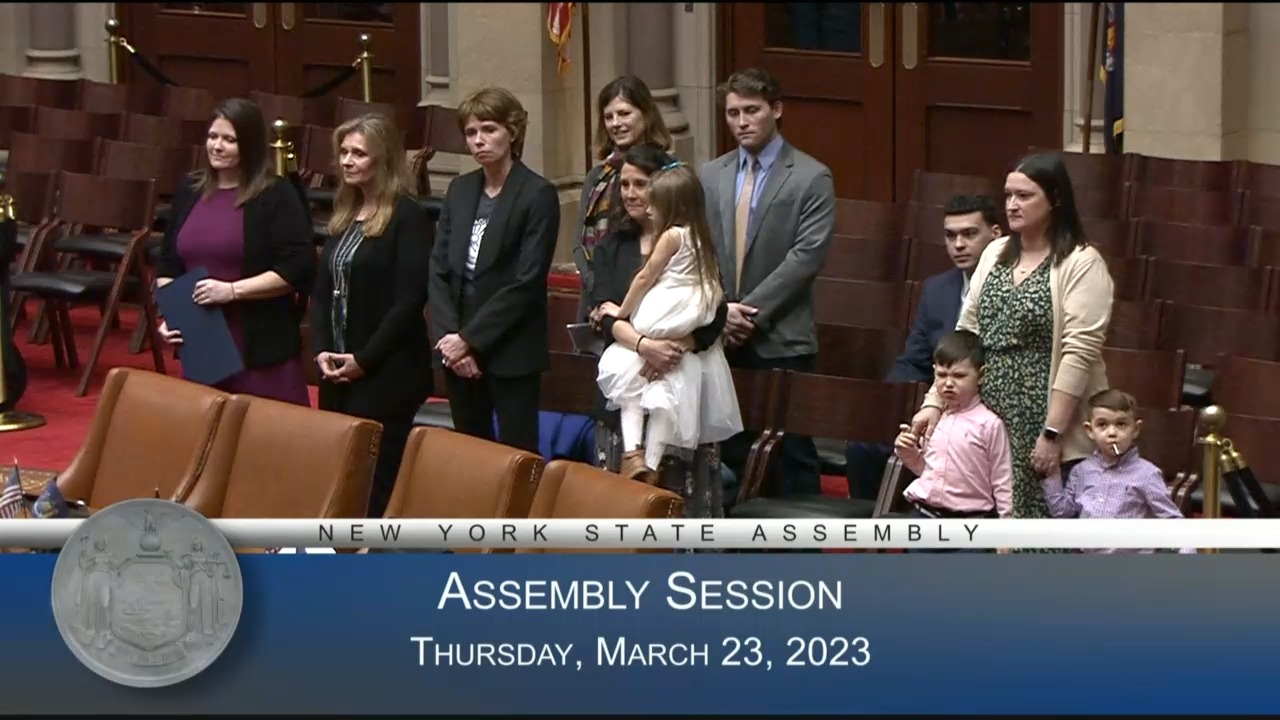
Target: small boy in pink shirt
963 469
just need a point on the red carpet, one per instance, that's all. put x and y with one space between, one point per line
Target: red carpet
51 393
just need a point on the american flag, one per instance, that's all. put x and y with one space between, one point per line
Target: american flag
559 23
12 504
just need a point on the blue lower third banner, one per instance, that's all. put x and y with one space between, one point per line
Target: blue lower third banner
682 634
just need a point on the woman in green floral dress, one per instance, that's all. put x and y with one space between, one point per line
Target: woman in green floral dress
1040 299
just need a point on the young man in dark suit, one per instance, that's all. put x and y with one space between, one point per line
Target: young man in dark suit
970 223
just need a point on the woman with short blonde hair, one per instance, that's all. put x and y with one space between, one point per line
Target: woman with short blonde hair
367 322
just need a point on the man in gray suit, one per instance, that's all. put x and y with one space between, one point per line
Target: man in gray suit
771 209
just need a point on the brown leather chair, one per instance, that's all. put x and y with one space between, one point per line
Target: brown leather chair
577 490
151 434
272 459
446 474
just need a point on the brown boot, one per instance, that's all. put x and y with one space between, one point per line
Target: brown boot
633 467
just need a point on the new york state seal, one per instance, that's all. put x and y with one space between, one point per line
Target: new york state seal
147 593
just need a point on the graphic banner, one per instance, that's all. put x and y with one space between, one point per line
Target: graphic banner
678 633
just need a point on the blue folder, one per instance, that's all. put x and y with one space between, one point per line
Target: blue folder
209 353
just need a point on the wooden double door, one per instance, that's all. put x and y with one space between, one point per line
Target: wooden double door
285 48
879 90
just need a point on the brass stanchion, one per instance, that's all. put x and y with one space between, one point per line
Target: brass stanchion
1212 420
113 40
366 66
11 420
282 147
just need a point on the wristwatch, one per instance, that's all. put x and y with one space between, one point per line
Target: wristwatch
1050 434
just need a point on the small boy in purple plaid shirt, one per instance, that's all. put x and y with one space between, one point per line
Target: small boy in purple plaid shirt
1115 481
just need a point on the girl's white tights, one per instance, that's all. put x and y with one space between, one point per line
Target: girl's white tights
632 421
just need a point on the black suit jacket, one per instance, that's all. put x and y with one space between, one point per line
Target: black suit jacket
936 316
386 326
277 236
507 331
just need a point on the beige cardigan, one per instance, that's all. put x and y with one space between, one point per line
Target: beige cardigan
1082 294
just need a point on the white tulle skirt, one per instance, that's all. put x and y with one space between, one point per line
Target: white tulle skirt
695 402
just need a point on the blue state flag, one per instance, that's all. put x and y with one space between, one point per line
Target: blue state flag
1113 79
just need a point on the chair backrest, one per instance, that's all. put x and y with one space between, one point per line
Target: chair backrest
1255 439
1247 386
125 204
826 406
577 490
1206 333
867 410
865 258
315 151
569 384
1092 202
858 352
1260 210
167 165
152 130
1128 275
1202 207
1222 286
188 103
150 432
289 108
1168 440
23 90
927 258
75 124
1183 242
1153 377
447 474
1100 172
923 222
105 97
1258 177
863 303
440 131
1264 247
1184 174
36 153
32 195
278 460
1111 236
1135 325
866 219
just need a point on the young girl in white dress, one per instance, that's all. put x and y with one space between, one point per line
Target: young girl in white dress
676 292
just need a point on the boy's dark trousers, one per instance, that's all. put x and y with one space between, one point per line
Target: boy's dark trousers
920 510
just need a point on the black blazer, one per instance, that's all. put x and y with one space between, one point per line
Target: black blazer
386 326
936 315
277 236
508 331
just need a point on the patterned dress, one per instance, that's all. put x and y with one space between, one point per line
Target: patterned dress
1016 327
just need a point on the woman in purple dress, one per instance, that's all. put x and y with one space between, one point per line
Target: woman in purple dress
252 232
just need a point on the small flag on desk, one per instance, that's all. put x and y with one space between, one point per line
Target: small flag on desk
559 23
12 504
50 504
